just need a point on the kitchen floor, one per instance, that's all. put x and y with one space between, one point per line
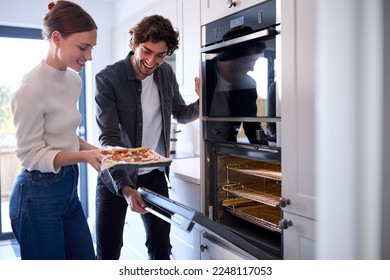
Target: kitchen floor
9 250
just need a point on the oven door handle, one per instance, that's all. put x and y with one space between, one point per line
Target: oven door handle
259 35
177 220
180 215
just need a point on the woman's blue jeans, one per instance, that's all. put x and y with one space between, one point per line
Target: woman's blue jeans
47 217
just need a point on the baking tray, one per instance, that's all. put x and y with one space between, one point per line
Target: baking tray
129 166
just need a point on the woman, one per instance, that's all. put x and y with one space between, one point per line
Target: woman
45 211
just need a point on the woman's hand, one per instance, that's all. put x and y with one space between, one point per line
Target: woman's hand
94 158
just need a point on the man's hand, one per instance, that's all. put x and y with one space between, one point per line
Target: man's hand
197 85
134 200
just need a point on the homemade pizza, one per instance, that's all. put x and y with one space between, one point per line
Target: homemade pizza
130 157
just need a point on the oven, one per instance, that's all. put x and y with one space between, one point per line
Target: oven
241 121
241 179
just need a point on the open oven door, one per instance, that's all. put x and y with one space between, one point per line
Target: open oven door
187 219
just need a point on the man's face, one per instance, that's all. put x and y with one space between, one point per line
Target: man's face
148 56
246 63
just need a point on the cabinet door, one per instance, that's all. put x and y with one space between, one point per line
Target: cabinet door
184 192
298 239
185 245
188 54
214 9
215 248
134 238
298 87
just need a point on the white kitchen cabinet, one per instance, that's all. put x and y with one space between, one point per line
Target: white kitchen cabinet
134 238
185 189
299 238
215 9
215 248
188 54
185 245
298 87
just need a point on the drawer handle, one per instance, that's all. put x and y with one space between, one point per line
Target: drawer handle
283 202
203 247
285 224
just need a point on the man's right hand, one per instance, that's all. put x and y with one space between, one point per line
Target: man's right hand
134 200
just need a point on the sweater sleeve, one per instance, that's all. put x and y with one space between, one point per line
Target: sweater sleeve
31 150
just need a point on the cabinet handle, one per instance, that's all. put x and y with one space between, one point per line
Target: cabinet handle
203 247
231 3
283 202
285 224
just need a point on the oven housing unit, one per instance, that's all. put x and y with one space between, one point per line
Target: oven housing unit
241 149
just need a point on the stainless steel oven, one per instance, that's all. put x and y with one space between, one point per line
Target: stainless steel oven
241 107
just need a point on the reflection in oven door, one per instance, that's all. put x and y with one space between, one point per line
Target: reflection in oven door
240 88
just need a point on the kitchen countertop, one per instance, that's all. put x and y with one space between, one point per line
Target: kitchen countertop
187 169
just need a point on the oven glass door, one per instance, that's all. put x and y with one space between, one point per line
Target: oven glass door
187 218
240 96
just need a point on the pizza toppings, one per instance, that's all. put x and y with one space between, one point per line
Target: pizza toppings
119 155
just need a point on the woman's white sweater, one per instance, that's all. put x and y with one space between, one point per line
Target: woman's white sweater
46 116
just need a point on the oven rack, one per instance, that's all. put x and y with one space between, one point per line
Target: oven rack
261 215
267 173
267 194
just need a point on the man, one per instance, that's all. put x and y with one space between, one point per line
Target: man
136 98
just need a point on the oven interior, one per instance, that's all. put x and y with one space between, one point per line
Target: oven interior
248 200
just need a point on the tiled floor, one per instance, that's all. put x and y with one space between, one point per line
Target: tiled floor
9 250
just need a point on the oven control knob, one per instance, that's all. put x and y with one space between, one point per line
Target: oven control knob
203 247
285 224
283 202
231 3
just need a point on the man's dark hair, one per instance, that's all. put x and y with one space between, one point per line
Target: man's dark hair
155 28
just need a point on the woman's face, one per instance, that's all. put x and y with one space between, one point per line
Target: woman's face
74 50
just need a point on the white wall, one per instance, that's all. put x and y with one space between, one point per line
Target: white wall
123 9
351 130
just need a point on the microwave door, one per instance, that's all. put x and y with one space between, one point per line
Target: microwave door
186 218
